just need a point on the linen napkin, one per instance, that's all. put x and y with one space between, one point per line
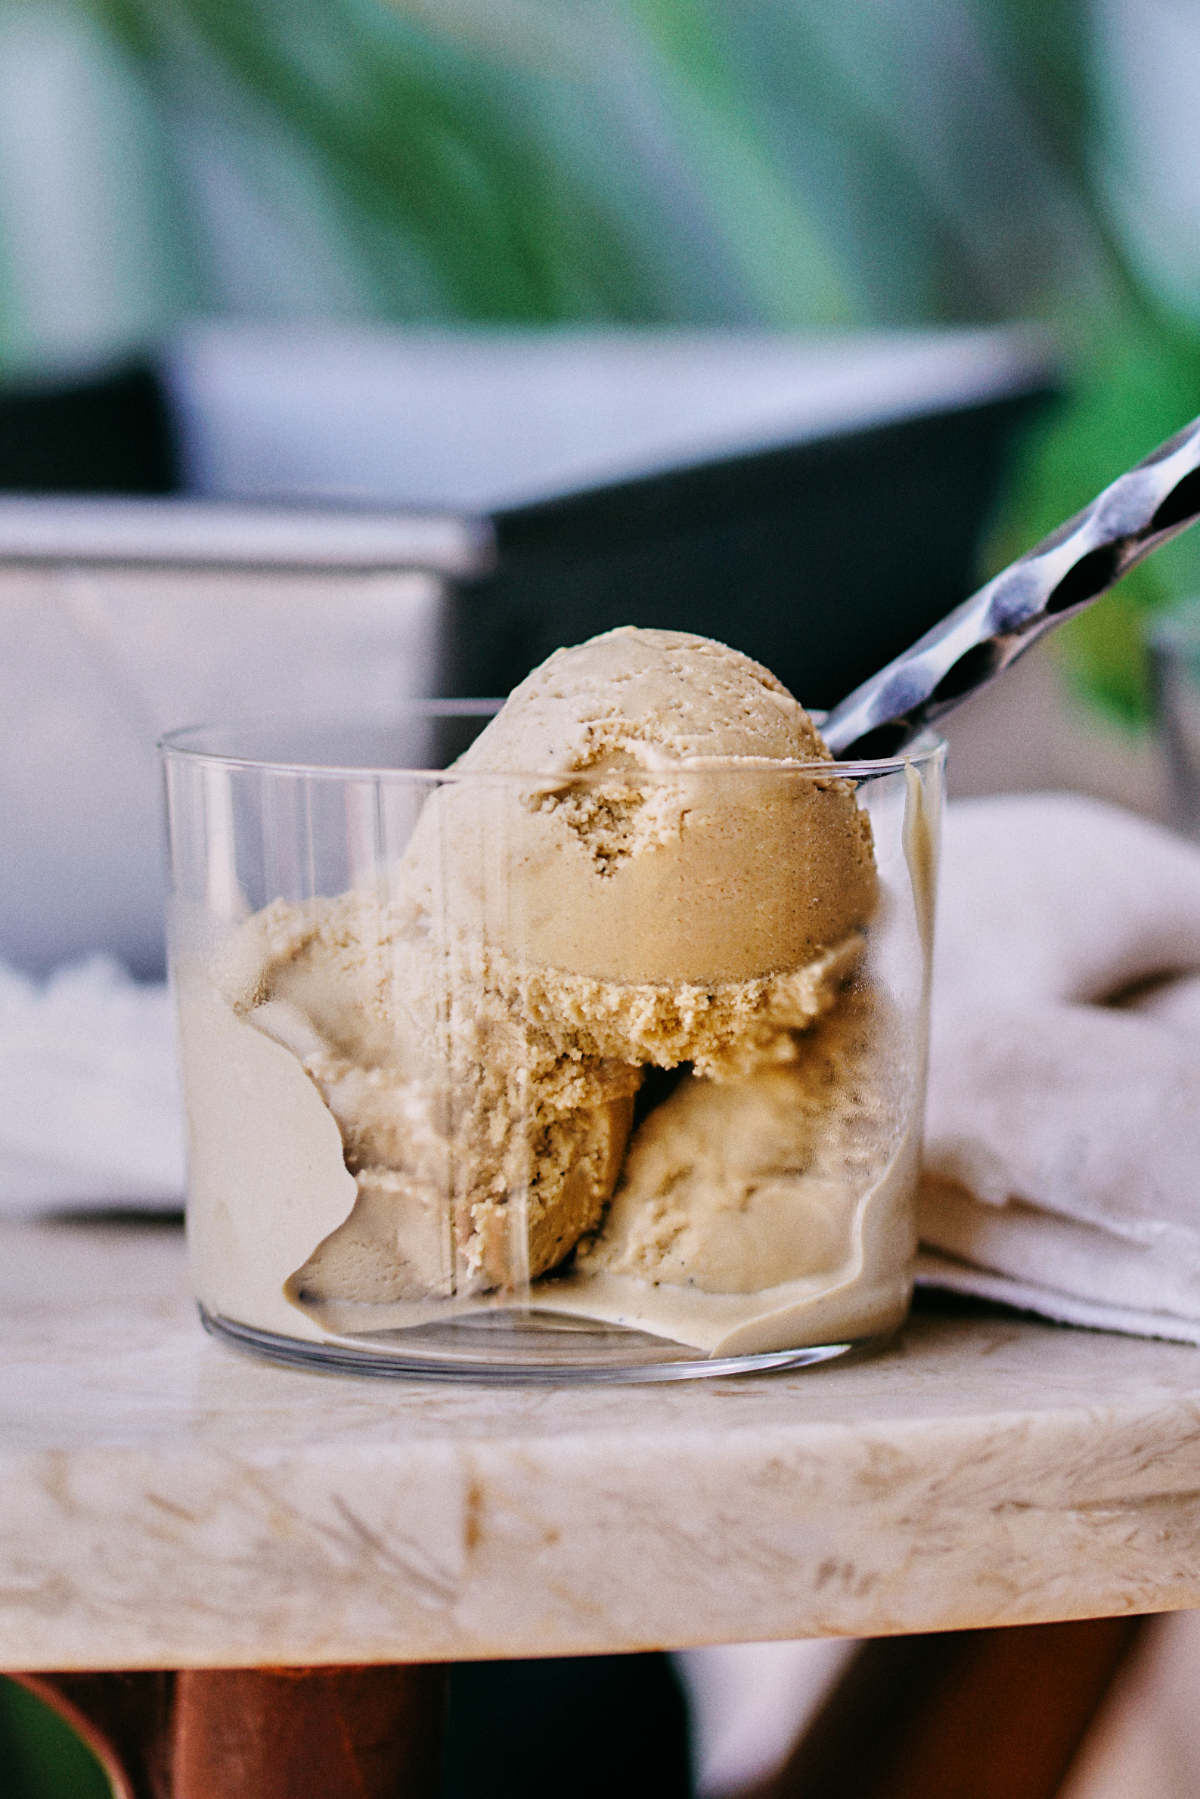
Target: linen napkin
1062 1157
90 1113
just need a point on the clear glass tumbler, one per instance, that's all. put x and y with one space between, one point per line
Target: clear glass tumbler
616 1075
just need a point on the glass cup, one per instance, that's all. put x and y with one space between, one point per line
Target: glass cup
616 1075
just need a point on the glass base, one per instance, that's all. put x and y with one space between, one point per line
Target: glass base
519 1347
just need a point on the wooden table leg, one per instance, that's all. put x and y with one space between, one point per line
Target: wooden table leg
977 1714
288 1733
273 1733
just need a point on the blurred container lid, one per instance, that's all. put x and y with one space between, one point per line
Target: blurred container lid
491 420
182 533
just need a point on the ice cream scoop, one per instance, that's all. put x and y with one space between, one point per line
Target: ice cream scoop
650 839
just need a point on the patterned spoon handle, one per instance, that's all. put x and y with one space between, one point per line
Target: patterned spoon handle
1057 578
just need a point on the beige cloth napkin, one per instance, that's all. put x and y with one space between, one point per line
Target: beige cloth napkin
90 1114
1062 1163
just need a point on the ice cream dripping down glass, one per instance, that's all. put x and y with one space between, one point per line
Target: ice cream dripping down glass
587 1041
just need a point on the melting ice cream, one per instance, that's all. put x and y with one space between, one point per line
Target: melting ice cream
603 1039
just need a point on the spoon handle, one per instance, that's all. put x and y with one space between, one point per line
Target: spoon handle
1078 562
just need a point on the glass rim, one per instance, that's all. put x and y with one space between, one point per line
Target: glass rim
182 744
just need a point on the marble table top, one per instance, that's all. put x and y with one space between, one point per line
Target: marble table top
167 1501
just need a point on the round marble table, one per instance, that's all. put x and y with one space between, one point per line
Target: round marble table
168 1503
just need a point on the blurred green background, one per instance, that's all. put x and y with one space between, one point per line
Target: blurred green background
786 163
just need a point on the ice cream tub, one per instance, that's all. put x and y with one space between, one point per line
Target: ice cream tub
580 1038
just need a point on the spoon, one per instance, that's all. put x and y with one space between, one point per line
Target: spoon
1082 559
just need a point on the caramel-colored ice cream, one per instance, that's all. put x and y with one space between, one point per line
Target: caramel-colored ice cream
652 840
620 876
